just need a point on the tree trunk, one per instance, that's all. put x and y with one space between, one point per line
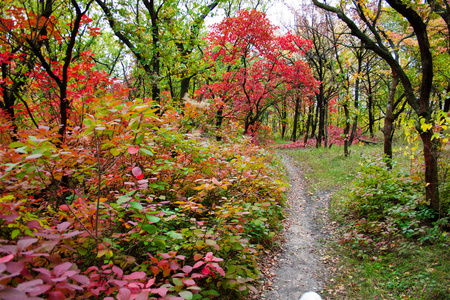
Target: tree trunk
388 130
321 114
430 153
357 81
295 125
219 121
346 129
308 124
283 119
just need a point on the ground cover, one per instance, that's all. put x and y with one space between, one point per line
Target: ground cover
394 252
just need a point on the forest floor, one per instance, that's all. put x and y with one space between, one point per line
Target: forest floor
301 263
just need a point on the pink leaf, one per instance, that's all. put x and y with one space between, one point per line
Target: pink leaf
62 268
71 234
198 264
6 258
118 271
142 296
34 224
133 150
174 265
25 286
25 243
162 291
124 294
12 294
63 226
150 283
165 255
43 271
188 281
136 171
135 275
218 269
197 275
15 267
11 249
187 269
81 279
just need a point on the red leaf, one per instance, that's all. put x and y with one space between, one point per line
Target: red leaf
56 295
64 207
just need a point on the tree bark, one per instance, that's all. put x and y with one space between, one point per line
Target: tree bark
346 129
295 125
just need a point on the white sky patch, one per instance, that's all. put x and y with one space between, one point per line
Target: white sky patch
279 13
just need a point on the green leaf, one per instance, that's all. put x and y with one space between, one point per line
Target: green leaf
257 222
210 242
186 295
153 219
123 199
146 151
139 139
160 243
136 205
178 281
149 228
114 152
16 145
82 251
15 233
33 156
174 235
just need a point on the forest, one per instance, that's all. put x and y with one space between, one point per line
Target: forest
139 142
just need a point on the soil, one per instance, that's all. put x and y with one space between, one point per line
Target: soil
300 264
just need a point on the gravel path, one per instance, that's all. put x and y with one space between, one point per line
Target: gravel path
300 266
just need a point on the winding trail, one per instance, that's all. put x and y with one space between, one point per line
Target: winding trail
300 268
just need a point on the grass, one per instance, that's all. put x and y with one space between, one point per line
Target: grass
409 271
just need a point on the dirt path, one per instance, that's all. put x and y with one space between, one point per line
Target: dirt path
300 265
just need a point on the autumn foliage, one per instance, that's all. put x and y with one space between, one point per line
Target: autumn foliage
254 68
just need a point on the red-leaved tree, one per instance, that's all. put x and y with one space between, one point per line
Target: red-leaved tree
254 68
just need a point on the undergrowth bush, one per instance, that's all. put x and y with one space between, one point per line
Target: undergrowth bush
389 206
134 206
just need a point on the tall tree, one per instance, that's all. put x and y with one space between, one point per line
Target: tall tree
317 26
420 102
254 66
162 36
45 33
